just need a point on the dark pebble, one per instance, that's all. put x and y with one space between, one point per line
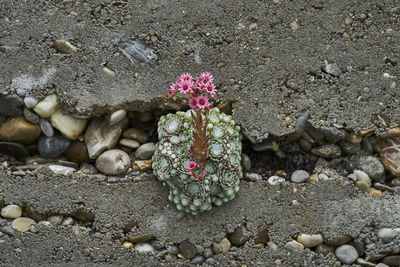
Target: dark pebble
52 147
14 149
198 259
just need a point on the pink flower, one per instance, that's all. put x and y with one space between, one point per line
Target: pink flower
193 103
186 87
202 102
185 77
210 89
191 165
206 77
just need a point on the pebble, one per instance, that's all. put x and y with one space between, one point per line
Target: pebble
127 244
187 249
339 240
275 180
173 249
199 259
47 106
55 219
22 224
346 254
129 143
395 182
31 116
208 253
100 136
363 186
11 211
46 127
323 177
19 130
365 263
136 134
142 165
246 162
371 166
332 69
299 176
117 116
239 237
309 241
294 245
30 102
350 148
253 177
8 230
262 235
389 151
393 260
272 246
353 138
63 170
388 234
77 152
324 249
63 46
145 151
68 125
381 265
223 246
136 239
374 193
87 168
113 162
13 149
327 151
383 187
144 248
52 147
362 176
67 221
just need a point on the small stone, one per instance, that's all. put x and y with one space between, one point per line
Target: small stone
323 177
223 246
145 116
47 106
30 102
362 176
52 147
327 151
8 230
141 165
173 249
127 244
199 249
55 219
87 168
129 143
136 239
208 253
324 249
258 246
363 186
19 130
353 138
117 116
388 234
77 152
332 69
145 151
350 148
199 259
365 263
393 260
253 177
371 166
64 47
272 246
63 170
46 127
374 193
294 245
113 162
246 162
13 149
346 254
22 224
11 211
31 116
309 241
144 248
262 235
187 249
389 151
239 237
339 240
299 176
69 126
275 180
136 134
100 136
382 187
67 221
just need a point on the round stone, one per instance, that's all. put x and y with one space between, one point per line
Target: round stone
309 241
199 259
239 237
362 176
52 147
77 152
22 224
187 249
46 127
145 151
113 162
11 211
371 166
129 143
346 254
117 116
30 102
223 246
299 176
19 130
294 245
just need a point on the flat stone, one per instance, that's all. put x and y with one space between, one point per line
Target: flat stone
69 126
113 162
187 249
388 234
309 241
346 254
324 249
262 235
117 116
136 134
365 263
64 47
31 116
8 230
77 152
52 147
63 170
136 239
327 151
332 69
371 166
239 237
392 260
223 246
129 143
22 224
14 149
141 165
253 177
46 106
145 151
11 105
100 136
19 130
46 127
294 245
11 211
389 151
246 162
299 176
339 240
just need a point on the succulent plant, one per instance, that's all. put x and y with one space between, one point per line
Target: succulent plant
223 163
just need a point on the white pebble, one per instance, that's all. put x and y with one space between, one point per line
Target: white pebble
47 106
310 241
30 102
275 180
117 116
59 169
294 245
69 126
144 248
388 233
11 211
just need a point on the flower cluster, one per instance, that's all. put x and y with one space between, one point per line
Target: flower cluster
199 91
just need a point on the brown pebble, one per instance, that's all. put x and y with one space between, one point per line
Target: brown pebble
127 244
374 193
